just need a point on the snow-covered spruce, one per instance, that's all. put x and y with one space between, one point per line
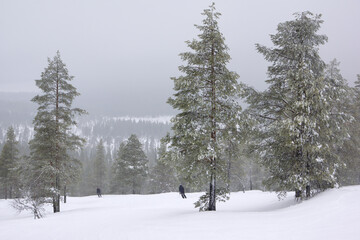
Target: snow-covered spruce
296 130
207 99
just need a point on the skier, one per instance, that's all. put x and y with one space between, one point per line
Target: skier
182 191
98 191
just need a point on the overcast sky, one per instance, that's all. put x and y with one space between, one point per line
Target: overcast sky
123 52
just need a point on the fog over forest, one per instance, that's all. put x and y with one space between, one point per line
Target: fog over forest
123 53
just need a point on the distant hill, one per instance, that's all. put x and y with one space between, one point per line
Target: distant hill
16 107
18 111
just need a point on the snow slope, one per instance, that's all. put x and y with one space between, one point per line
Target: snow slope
334 214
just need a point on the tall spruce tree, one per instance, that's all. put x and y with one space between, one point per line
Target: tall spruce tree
52 165
296 131
131 167
100 166
8 161
206 97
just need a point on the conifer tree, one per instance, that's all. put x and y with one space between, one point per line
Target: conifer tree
8 161
337 89
162 177
100 166
117 183
131 168
52 164
350 152
296 130
206 97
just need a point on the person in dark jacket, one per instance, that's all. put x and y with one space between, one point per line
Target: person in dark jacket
98 192
182 191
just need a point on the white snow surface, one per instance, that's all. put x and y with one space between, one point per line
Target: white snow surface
334 214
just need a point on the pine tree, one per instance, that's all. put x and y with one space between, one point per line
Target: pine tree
100 166
8 161
131 167
206 97
52 164
296 131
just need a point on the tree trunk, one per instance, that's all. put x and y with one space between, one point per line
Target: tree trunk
54 204
308 173
308 191
5 191
65 194
251 188
212 195
56 198
133 186
229 171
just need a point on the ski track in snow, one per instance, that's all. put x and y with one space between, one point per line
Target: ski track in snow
253 215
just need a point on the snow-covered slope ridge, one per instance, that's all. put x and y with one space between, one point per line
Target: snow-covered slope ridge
334 214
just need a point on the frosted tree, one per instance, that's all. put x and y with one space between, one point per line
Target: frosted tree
296 130
8 161
131 166
207 101
52 165
350 152
339 96
32 196
336 87
100 166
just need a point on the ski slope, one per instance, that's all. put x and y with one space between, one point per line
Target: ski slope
334 214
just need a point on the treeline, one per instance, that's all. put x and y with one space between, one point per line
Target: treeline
102 169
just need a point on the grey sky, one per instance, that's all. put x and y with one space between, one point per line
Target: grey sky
126 51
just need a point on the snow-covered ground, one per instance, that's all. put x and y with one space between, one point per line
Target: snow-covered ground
334 214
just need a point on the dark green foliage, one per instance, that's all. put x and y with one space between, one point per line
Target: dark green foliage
131 167
207 99
8 159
